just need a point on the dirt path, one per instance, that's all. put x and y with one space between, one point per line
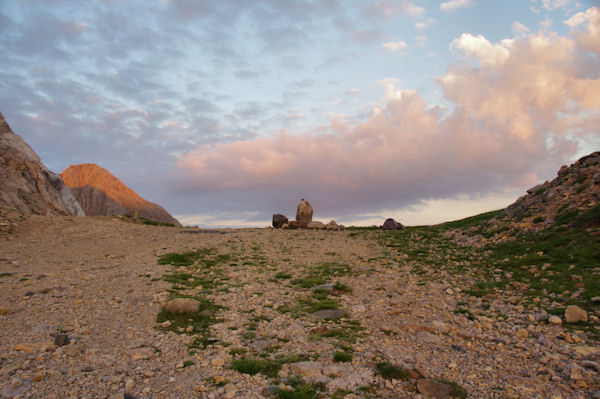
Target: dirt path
97 280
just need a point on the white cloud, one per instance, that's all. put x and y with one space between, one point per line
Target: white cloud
394 46
589 15
389 8
554 4
411 10
425 24
479 47
456 4
519 29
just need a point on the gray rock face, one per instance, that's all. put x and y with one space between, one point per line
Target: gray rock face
304 213
391 224
27 186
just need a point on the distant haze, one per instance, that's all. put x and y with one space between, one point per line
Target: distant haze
226 112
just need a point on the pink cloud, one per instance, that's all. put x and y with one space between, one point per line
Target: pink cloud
515 117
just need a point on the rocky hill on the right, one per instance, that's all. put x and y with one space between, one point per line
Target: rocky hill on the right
575 190
542 251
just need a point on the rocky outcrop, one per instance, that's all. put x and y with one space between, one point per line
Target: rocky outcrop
102 194
26 185
576 188
279 220
304 213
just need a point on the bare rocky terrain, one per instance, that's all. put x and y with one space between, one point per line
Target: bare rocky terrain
284 313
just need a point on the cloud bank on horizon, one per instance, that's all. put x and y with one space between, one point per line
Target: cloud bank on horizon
228 112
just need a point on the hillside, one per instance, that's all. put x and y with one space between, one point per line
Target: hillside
102 194
26 185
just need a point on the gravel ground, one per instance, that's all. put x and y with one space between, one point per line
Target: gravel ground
97 280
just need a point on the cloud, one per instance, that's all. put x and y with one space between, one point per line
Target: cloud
482 49
516 117
519 29
394 46
554 4
452 5
384 9
589 38
425 24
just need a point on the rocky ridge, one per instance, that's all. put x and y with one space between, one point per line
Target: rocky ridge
27 186
102 194
576 188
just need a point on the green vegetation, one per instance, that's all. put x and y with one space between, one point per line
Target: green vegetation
300 389
321 274
5 274
342 356
266 367
389 371
457 391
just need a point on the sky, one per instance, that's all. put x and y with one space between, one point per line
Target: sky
226 112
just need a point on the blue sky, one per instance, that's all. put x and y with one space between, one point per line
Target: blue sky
226 112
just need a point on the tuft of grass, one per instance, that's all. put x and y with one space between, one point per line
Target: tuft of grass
300 389
266 367
342 357
389 371
342 287
457 391
5 274
283 276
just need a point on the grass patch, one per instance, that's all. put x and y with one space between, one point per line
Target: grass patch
5 274
389 371
342 357
266 367
185 258
300 390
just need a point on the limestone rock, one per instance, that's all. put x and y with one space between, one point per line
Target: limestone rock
574 314
182 305
304 212
433 388
27 185
332 225
279 220
315 224
102 194
555 320
295 224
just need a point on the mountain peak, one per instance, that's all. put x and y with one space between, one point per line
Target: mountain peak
101 193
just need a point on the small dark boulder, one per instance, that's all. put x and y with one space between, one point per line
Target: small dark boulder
391 224
279 220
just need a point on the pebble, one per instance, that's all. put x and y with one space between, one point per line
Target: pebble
555 320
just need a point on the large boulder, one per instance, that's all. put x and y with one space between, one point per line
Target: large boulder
182 305
391 224
27 186
304 212
316 225
279 220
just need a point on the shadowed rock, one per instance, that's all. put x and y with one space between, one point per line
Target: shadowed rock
279 220
26 185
